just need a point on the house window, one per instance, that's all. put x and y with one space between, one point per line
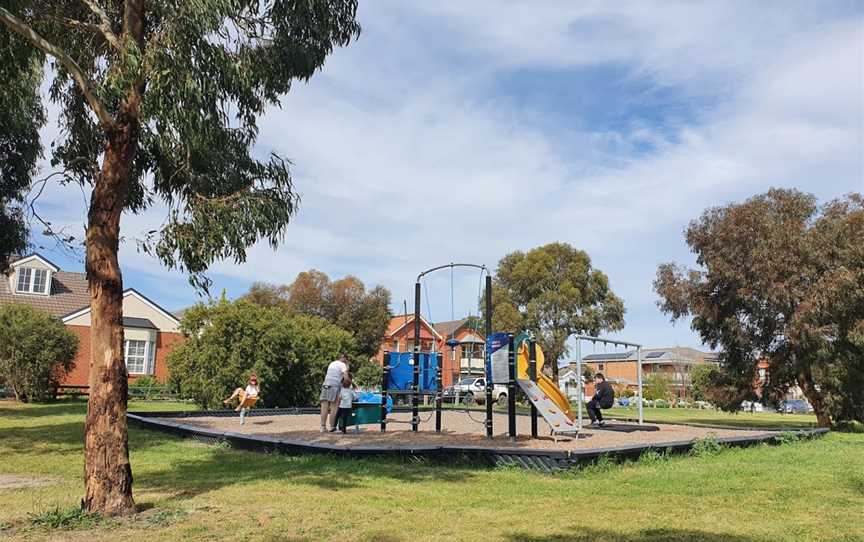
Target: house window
472 351
31 280
24 275
139 357
395 345
600 366
425 345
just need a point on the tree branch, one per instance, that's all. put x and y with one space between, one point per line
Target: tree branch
73 23
21 28
104 24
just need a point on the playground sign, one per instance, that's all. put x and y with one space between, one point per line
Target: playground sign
498 347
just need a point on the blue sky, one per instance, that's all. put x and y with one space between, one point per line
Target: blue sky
461 131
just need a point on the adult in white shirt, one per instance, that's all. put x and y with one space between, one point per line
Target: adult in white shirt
336 371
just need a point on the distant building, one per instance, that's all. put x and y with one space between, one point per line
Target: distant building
465 358
150 332
675 362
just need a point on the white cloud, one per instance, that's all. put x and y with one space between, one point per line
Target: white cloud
407 157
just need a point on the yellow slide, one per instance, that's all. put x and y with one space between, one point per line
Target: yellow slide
560 421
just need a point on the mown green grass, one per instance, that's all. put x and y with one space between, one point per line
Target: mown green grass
715 417
810 490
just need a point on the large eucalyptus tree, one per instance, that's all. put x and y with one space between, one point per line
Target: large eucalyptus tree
158 104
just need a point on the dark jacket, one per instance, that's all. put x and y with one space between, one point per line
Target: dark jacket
605 395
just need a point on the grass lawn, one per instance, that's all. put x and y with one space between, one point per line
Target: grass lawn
812 490
714 417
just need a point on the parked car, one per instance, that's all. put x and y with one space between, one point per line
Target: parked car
795 406
473 391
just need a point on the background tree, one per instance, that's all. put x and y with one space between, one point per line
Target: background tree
554 292
657 386
367 374
36 350
700 381
226 341
21 116
780 279
158 101
267 295
344 302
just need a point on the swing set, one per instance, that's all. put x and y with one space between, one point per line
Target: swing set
606 342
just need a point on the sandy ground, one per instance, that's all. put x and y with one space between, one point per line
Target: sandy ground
458 429
18 481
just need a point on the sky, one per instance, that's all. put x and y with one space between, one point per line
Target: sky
461 131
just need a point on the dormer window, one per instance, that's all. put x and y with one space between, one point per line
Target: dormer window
32 280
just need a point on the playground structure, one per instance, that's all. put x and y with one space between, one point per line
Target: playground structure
513 361
510 360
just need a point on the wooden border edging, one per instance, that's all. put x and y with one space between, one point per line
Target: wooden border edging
530 458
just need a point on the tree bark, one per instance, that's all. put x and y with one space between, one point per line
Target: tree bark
805 382
107 471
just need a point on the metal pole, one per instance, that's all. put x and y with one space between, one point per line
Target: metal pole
639 381
440 360
511 388
580 390
384 379
532 373
415 386
488 358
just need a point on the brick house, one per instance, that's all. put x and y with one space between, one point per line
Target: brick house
150 332
466 358
676 363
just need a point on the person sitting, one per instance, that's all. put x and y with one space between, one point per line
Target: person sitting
248 397
604 397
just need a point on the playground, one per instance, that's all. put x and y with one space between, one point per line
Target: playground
549 436
462 430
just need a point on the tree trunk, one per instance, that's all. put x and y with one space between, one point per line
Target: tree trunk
107 471
805 382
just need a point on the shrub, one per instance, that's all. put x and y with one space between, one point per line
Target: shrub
229 340
36 350
653 456
657 386
706 447
661 403
787 437
145 386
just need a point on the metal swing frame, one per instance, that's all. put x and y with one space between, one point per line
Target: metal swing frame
415 385
606 341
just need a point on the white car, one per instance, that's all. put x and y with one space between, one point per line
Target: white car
473 391
748 406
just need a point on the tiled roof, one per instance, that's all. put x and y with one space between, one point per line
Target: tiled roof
446 328
69 293
397 322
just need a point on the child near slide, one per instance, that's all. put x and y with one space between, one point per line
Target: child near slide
346 398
